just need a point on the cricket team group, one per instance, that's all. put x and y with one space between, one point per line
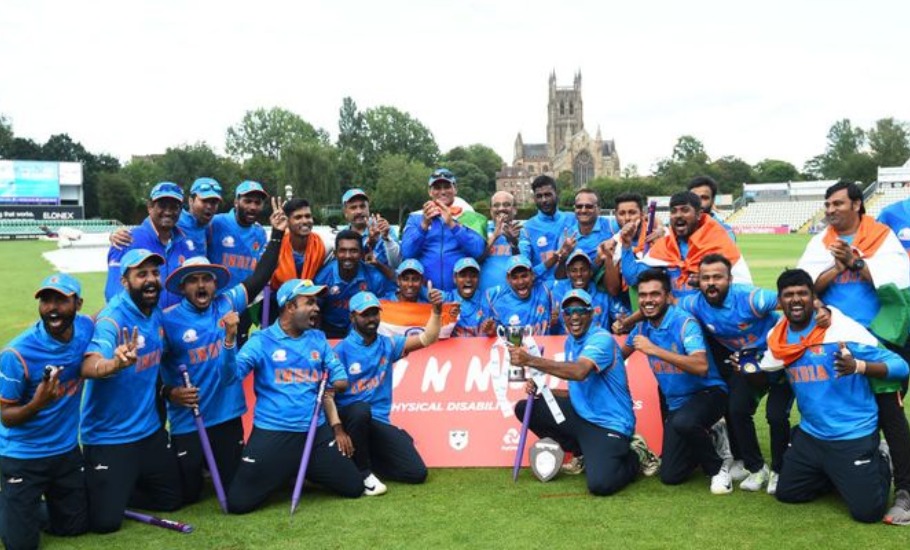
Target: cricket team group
104 413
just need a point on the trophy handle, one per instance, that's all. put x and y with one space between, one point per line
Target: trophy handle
501 332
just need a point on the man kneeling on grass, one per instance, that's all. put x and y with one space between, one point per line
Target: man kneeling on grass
599 422
368 358
836 442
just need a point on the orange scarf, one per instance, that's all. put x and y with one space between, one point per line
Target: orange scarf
868 239
786 352
709 238
313 258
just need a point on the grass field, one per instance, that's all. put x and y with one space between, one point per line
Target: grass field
482 508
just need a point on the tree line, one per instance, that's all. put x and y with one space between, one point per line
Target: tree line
390 154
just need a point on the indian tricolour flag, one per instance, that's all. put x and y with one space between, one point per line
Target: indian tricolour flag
409 318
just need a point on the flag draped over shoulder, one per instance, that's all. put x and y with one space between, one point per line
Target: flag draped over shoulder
888 264
708 238
313 258
842 329
409 318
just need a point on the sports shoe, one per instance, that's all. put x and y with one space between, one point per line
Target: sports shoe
648 462
899 514
372 487
721 482
721 440
574 467
772 482
738 471
756 480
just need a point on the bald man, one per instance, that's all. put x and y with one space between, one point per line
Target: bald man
502 242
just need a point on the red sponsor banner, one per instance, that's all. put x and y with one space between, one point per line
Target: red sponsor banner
455 400
761 229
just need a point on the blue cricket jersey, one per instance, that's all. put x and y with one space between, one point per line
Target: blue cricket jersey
897 217
234 246
54 429
387 252
742 321
194 232
603 397
175 252
539 239
493 268
834 408
470 313
679 333
506 308
439 247
369 370
334 303
121 408
853 295
195 338
589 243
287 372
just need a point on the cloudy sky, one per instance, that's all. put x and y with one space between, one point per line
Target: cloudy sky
757 80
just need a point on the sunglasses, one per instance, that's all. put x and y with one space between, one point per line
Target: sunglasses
207 187
576 310
585 206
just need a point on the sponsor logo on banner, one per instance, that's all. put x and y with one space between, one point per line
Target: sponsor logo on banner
458 439
510 439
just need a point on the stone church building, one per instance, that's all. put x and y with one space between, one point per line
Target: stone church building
569 147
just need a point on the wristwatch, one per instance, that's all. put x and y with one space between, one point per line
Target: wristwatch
858 265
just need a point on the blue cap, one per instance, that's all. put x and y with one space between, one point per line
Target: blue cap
166 189
249 186
518 261
363 301
576 294
351 193
409 265
62 283
466 263
578 253
298 287
136 257
206 188
197 264
442 174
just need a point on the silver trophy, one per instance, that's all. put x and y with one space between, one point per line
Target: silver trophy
546 458
515 335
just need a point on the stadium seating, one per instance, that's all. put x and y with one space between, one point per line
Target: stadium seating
25 228
885 197
791 213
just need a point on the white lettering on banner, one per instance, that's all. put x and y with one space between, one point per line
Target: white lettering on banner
435 406
471 406
398 371
435 376
479 376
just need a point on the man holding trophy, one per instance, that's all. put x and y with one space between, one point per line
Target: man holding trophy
594 418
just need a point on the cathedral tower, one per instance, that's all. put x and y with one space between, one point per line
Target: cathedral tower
564 114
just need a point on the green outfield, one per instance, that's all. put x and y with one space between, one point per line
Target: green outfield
482 508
